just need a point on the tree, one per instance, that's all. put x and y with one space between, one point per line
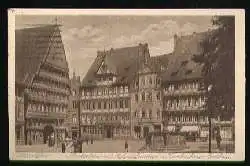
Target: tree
218 60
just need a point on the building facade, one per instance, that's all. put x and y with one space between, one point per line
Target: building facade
128 93
19 112
72 120
42 68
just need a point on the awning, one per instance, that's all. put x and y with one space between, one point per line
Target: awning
190 129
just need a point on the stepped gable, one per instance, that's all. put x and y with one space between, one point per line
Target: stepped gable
32 45
181 66
123 62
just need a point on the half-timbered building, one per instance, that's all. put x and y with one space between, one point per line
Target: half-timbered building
42 70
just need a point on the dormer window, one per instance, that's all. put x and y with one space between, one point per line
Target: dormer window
188 72
184 63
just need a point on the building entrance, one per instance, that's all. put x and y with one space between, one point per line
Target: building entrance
48 134
109 132
145 131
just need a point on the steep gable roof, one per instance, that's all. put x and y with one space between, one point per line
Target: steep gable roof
121 61
181 65
31 47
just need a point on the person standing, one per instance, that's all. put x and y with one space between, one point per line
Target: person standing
218 139
126 146
63 146
91 140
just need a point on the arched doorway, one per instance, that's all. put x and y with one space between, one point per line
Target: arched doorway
48 133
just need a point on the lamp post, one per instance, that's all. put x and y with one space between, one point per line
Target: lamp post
210 123
26 97
79 122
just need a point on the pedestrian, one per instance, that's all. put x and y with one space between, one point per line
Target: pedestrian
126 146
91 139
87 140
63 146
218 139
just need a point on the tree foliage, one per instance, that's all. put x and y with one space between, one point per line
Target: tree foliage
218 60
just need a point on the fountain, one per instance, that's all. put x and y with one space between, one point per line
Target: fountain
165 141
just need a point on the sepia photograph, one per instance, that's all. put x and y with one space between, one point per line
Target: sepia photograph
128 83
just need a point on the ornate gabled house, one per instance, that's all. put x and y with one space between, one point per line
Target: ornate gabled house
72 121
128 93
42 70
110 91
184 93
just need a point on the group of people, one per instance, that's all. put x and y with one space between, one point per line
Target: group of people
76 143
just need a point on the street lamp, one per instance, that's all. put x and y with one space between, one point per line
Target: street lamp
210 122
26 97
79 122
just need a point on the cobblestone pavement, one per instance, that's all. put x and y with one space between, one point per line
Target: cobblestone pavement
116 146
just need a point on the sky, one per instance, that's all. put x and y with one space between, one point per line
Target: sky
84 35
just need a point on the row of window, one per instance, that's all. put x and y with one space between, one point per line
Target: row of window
184 102
56 75
105 91
38 123
47 94
148 80
105 78
51 70
184 86
147 114
46 108
92 105
147 96
93 130
181 118
96 118
51 83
